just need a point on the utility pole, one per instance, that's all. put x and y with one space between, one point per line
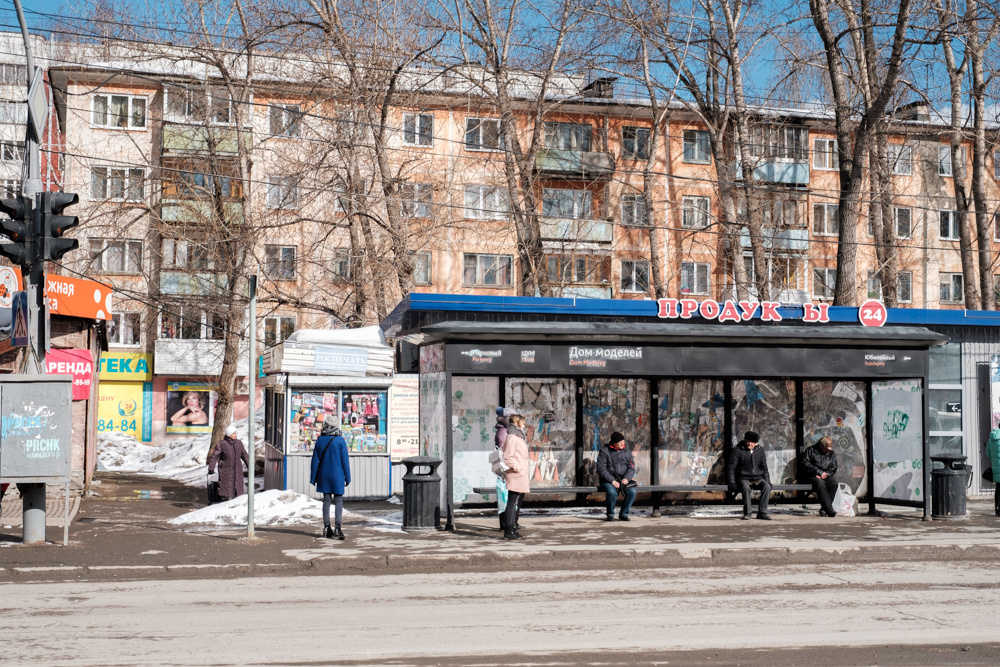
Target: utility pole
252 417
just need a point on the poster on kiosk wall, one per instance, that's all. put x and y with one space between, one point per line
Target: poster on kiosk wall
190 407
995 391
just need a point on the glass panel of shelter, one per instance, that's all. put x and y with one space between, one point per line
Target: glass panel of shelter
615 404
549 407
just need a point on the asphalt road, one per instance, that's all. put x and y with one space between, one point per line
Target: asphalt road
916 613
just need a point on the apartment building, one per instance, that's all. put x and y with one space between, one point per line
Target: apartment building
161 154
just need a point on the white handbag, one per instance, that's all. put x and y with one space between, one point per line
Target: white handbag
496 463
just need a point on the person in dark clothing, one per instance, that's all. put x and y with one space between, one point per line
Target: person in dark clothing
616 470
331 472
820 462
747 469
228 454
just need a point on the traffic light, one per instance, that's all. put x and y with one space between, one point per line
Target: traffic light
17 228
55 224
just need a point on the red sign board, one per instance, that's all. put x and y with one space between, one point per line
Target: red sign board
736 311
78 363
872 313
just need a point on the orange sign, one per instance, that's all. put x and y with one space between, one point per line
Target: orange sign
77 297
10 282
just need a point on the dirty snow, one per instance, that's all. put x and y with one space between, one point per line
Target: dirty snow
282 508
183 459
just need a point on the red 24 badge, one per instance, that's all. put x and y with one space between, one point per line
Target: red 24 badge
872 313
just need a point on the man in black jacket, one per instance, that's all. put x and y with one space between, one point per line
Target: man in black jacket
616 470
747 469
820 462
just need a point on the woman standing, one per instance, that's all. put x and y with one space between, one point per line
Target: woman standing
229 456
993 452
331 472
515 455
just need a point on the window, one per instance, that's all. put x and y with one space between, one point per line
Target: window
111 184
900 157
184 179
634 212
825 219
874 285
635 143
568 204
11 151
416 200
125 329
181 321
635 276
567 136
116 256
996 226
947 226
190 254
825 156
340 265
784 213
824 282
694 278
277 329
779 142
695 212
14 113
200 105
487 270
996 165
282 193
422 268
944 159
285 120
697 147
904 287
119 111
13 74
482 134
903 218
952 288
579 269
279 262
418 129
485 202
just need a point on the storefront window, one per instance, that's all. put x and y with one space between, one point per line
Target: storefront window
308 411
473 404
549 406
362 419
768 407
837 409
611 405
691 428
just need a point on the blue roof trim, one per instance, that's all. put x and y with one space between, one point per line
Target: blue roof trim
648 308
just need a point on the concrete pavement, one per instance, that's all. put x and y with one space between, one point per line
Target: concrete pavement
122 532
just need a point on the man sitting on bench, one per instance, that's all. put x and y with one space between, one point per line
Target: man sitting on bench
820 462
748 469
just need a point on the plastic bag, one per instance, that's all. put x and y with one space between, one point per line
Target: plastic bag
843 501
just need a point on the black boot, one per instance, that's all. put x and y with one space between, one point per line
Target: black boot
338 533
328 532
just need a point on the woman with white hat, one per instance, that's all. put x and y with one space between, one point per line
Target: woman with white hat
227 456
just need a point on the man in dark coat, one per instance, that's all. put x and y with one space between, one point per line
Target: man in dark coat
616 470
227 456
820 462
748 469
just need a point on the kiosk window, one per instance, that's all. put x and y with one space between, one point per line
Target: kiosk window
615 404
549 406
691 429
362 419
837 409
768 407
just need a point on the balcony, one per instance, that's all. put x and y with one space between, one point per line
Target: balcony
572 165
575 231
195 211
183 283
581 291
780 171
179 356
199 139
792 240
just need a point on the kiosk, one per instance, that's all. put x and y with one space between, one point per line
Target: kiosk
681 379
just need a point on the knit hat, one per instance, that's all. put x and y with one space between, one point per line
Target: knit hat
616 437
230 430
504 412
751 436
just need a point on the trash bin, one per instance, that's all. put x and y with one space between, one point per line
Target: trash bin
949 477
421 494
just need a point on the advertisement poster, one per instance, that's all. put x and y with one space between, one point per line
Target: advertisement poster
190 407
897 439
433 414
126 407
363 420
691 429
473 405
995 391
78 363
549 406
404 417
308 411
615 404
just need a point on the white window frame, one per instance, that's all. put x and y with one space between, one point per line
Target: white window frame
697 140
486 202
825 286
825 154
874 285
956 283
186 250
128 176
699 273
579 136
901 159
996 165
185 312
416 200
274 324
10 187
827 223
944 159
341 265
474 127
129 113
631 269
646 143
414 125
119 329
579 202
13 113
696 212
996 226
909 221
485 263
131 255
634 211
284 120
952 225
11 151
909 286
425 276
276 261
283 193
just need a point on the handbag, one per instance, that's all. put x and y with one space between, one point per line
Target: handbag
988 474
497 464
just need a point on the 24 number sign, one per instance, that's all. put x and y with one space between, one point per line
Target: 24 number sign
872 313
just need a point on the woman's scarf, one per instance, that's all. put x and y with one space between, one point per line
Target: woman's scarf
330 429
513 430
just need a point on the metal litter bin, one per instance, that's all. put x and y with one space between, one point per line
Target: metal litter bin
949 478
421 494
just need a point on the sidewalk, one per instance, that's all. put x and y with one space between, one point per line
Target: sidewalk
123 533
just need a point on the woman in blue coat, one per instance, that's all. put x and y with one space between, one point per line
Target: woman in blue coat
331 472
